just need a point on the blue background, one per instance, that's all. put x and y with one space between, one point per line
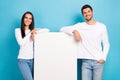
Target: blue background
54 14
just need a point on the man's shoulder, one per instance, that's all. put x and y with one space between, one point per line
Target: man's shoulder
80 23
100 23
101 26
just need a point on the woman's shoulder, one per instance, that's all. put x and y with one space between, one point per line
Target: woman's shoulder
17 30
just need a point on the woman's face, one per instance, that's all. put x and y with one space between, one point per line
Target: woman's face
27 19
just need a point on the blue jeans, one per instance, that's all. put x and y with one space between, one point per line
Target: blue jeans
27 68
91 70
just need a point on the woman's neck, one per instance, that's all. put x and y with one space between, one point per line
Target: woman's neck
26 27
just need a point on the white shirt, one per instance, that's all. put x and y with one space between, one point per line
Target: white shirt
92 37
26 45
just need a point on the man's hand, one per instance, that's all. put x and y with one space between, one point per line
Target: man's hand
77 35
101 61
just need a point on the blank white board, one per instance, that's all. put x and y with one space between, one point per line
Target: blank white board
55 56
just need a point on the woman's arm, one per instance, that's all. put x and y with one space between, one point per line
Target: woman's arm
21 41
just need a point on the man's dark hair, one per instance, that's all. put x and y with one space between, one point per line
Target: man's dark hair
86 6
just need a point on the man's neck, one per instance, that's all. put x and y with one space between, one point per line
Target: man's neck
91 22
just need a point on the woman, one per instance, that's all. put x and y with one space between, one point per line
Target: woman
25 39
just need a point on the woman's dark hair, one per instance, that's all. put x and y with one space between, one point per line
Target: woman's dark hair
86 6
31 27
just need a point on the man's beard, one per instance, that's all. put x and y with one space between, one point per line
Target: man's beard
89 18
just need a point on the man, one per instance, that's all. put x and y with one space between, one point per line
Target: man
93 44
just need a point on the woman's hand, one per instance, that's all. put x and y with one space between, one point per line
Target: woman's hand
33 32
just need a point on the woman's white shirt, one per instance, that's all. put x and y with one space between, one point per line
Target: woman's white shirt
26 44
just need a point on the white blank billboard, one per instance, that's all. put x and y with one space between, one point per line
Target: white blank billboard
55 56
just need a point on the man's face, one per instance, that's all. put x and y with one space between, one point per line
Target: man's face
87 14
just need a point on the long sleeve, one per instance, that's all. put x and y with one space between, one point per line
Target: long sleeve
105 42
69 29
21 41
42 30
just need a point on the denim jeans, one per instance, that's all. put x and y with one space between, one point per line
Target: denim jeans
27 68
91 70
